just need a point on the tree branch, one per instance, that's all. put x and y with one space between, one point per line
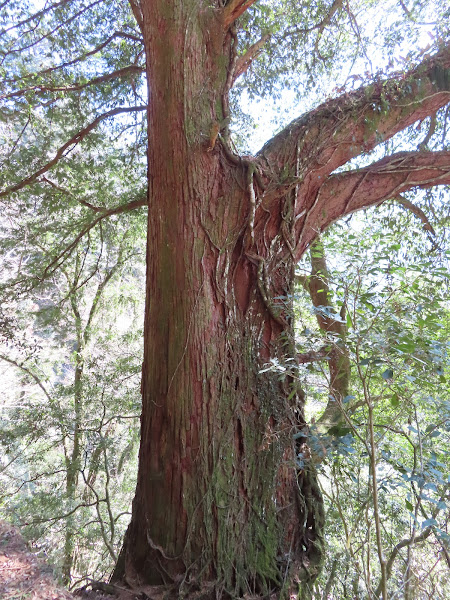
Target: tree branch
64 254
69 145
137 12
40 89
234 9
34 16
344 193
334 328
356 122
28 372
418 212
406 542
51 32
244 61
81 58
313 355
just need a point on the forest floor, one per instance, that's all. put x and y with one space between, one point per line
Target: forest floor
24 576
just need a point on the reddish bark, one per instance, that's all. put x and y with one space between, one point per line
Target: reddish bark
220 504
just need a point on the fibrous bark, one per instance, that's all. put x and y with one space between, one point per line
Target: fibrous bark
221 503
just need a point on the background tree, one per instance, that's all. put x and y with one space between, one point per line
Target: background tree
221 502
394 423
66 429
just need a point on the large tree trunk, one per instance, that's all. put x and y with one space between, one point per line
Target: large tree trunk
219 499
221 503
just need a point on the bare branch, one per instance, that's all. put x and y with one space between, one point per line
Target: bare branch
234 9
344 193
433 122
69 145
418 212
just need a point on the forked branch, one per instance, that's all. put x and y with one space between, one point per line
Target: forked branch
357 122
344 193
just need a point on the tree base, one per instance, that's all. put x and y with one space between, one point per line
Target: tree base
207 591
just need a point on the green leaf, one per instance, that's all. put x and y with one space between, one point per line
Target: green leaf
349 321
408 505
394 400
388 374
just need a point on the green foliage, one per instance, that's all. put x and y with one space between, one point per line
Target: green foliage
395 291
69 421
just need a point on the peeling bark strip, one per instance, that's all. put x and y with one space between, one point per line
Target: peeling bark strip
221 506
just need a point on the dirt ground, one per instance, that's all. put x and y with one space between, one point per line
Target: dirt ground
24 576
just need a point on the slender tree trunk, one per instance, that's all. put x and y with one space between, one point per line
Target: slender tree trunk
219 500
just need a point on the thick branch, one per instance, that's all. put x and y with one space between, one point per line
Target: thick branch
69 145
356 122
137 12
330 322
344 193
234 9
